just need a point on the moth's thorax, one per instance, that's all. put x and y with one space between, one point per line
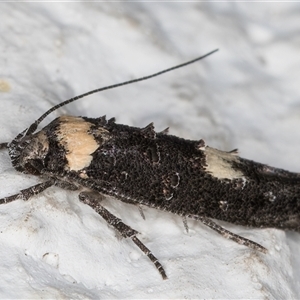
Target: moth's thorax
66 143
80 139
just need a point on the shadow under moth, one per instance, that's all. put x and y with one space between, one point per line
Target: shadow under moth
143 167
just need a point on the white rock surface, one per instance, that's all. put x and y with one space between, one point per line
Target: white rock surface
245 96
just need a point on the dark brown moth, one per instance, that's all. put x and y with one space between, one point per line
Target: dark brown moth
143 167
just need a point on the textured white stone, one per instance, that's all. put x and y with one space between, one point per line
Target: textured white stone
245 96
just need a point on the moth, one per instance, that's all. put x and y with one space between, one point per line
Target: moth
98 158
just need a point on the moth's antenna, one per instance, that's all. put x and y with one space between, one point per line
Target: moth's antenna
34 126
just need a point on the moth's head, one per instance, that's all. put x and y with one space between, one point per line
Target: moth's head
28 152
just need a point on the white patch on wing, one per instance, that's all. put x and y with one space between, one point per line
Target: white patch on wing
75 136
219 164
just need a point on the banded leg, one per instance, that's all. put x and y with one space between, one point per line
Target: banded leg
66 185
29 192
185 224
141 212
229 235
126 231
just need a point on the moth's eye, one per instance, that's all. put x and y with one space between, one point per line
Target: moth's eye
34 166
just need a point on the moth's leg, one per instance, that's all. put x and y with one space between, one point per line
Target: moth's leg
66 185
229 235
141 212
29 192
185 224
91 198
3 145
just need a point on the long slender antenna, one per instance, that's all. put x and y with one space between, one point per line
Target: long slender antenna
34 126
